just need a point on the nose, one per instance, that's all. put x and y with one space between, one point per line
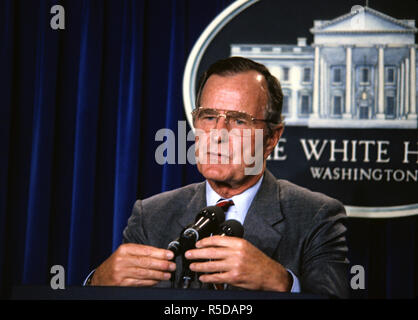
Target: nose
221 123
220 134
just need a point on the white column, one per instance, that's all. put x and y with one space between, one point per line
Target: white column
293 74
315 102
381 86
412 101
323 88
407 106
348 70
402 88
398 93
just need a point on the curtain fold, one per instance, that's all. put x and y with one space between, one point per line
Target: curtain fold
128 117
38 207
171 174
85 146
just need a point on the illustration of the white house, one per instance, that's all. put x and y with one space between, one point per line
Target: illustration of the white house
359 72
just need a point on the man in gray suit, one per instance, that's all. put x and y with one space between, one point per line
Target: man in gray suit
294 239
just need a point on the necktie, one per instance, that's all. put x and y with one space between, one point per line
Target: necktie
224 204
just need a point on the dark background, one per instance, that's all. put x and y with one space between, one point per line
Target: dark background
79 109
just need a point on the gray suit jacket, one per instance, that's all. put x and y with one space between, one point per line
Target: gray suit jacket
302 230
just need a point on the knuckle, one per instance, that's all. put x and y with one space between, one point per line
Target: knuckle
237 265
119 250
148 263
211 252
240 244
116 269
235 275
166 265
118 260
122 249
142 273
141 261
146 251
240 253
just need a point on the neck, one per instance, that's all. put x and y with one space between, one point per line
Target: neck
227 190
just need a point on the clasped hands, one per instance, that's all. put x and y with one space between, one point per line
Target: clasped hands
229 260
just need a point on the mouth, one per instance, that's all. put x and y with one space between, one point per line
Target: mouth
217 158
211 154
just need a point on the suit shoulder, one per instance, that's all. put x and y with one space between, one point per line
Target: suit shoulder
153 213
171 198
293 196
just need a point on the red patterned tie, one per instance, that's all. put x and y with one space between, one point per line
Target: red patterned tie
224 204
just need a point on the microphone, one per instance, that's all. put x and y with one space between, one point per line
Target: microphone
206 222
231 228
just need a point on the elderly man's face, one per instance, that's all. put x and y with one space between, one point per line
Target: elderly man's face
241 92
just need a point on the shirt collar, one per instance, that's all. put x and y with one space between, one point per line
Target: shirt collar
242 201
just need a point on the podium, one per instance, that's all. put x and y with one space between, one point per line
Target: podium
130 293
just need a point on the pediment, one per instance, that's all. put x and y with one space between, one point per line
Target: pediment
367 20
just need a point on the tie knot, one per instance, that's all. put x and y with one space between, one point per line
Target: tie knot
224 204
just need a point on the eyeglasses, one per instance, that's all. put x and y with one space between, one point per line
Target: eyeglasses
207 118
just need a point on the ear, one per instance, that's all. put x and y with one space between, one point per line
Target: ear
273 140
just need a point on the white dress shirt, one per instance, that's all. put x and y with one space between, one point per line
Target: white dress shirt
242 201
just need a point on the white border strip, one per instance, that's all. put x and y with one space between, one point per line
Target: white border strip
382 212
190 71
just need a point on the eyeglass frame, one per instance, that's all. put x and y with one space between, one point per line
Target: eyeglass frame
225 115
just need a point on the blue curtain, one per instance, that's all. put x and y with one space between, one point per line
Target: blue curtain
79 109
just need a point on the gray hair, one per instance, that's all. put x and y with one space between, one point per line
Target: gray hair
235 65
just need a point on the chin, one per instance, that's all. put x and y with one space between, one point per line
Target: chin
216 172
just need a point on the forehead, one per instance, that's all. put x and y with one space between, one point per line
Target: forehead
245 91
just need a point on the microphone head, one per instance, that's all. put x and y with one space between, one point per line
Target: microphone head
175 247
214 213
232 228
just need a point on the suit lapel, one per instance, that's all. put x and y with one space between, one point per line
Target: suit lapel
192 208
264 216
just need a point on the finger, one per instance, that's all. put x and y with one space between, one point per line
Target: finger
152 263
210 266
207 253
215 278
138 283
144 250
145 262
218 241
146 274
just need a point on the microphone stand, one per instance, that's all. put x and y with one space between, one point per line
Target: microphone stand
173 276
187 275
